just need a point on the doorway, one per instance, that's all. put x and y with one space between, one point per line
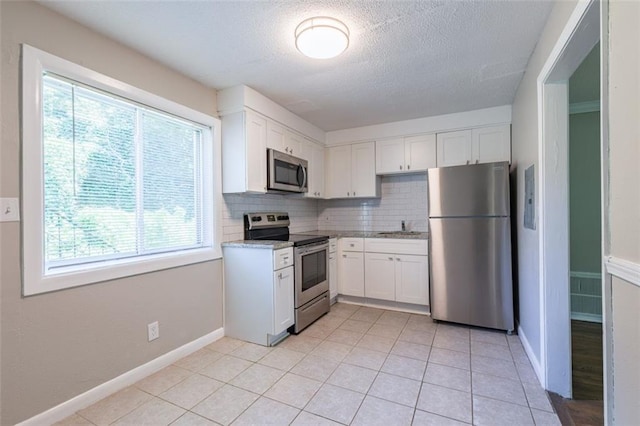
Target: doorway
585 241
577 40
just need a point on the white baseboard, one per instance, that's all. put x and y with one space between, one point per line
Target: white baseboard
532 357
384 304
87 398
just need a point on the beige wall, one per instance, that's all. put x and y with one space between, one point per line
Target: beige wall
525 153
58 345
626 336
624 125
624 202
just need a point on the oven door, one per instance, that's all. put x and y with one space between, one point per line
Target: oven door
286 173
311 272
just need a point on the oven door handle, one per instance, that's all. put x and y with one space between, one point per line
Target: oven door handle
312 248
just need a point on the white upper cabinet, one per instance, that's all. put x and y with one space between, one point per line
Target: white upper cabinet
351 171
364 182
293 144
314 154
454 148
390 156
482 145
490 144
244 153
405 155
284 140
420 152
275 136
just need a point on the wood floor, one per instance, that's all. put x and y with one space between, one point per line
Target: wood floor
586 407
586 348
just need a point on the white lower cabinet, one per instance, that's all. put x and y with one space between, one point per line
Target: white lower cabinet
392 274
283 299
412 279
351 267
259 305
380 276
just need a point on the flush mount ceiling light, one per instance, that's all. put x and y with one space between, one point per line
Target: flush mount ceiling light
322 37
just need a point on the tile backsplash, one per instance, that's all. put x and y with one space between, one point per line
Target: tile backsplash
403 198
303 212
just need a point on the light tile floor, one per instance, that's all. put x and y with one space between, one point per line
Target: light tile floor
356 365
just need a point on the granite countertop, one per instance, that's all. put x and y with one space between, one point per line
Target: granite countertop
276 245
259 244
370 234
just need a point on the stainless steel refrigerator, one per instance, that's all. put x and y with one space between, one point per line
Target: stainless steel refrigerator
470 245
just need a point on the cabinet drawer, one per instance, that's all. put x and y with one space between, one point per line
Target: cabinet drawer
396 246
333 245
352 244
282 258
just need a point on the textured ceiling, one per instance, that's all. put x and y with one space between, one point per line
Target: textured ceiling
406 59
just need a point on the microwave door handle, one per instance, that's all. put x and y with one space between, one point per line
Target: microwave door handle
304 176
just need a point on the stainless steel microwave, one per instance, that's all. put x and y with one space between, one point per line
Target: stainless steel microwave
286 172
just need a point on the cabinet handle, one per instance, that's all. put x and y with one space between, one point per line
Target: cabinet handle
398 259
348 194
408 166
344 255
352 245
477 161
467 161
400 167
280 275
391 258
354 193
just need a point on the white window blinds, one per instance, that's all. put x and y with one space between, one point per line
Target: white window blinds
120 179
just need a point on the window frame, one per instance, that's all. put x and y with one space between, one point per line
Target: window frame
35 279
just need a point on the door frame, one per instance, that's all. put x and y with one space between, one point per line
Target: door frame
577 39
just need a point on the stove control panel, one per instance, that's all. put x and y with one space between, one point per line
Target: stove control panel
266 220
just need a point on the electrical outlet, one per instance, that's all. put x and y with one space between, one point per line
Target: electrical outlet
153 330
9 210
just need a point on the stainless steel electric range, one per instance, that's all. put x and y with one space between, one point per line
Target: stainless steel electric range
311 264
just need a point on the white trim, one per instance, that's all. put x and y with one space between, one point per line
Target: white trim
587 275
36 279
67 408
577 39
623 269
582 107
438 123
531 355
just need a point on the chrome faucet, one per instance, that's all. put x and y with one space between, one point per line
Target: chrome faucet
404 228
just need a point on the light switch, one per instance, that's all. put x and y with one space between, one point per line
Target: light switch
9 210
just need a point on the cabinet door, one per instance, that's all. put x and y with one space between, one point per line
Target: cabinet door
390 157
363 170
317 172
256 135
339 172
454 148
275 136
351 274
333 275
412 279
380 276
283 300
293 144
420 153
491 144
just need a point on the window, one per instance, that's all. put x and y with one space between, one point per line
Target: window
125 179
